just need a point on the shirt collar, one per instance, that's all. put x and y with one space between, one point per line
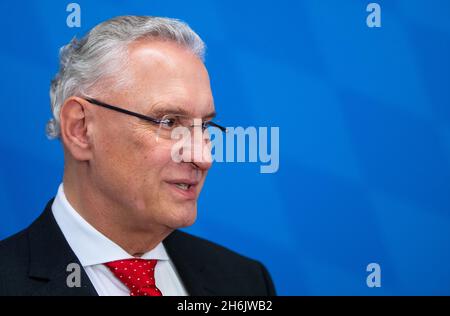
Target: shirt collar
89 245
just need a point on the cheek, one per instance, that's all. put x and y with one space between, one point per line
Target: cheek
150 158
134 160
118 154
152 161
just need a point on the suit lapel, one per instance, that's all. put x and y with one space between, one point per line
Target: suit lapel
190 266
50 254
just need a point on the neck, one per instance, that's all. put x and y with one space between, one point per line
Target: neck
110 219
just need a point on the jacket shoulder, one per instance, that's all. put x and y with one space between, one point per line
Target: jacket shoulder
222 261
14 249
14 254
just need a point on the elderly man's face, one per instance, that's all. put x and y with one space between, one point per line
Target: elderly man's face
130 165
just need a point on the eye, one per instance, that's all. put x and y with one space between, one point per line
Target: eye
169 122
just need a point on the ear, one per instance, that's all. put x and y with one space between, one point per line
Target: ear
74 128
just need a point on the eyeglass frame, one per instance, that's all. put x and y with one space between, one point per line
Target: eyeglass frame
144 117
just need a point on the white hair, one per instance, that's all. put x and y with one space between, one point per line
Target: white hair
100 54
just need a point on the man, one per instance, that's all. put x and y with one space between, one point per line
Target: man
118 96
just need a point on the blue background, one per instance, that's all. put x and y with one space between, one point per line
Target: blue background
364 117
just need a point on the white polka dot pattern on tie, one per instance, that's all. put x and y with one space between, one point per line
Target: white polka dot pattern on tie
137 275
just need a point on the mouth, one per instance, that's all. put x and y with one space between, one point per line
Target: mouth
185 189
183 186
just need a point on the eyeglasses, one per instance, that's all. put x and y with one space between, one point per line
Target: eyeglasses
168 123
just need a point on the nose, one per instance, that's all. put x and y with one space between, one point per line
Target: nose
200 150
202 163
201 155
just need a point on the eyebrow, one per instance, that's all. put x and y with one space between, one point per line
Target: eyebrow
178 111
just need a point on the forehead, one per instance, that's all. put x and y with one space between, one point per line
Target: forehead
163 75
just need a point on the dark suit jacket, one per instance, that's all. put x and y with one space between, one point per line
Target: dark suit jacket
34 262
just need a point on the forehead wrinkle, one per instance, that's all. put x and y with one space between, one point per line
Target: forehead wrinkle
167 108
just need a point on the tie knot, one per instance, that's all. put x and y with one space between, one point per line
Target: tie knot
137 274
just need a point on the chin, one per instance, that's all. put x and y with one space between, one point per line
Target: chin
183 217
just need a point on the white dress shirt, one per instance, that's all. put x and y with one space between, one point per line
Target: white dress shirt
93 249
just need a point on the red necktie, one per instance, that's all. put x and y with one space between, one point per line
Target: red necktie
137 274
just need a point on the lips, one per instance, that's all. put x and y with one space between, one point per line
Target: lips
185 188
